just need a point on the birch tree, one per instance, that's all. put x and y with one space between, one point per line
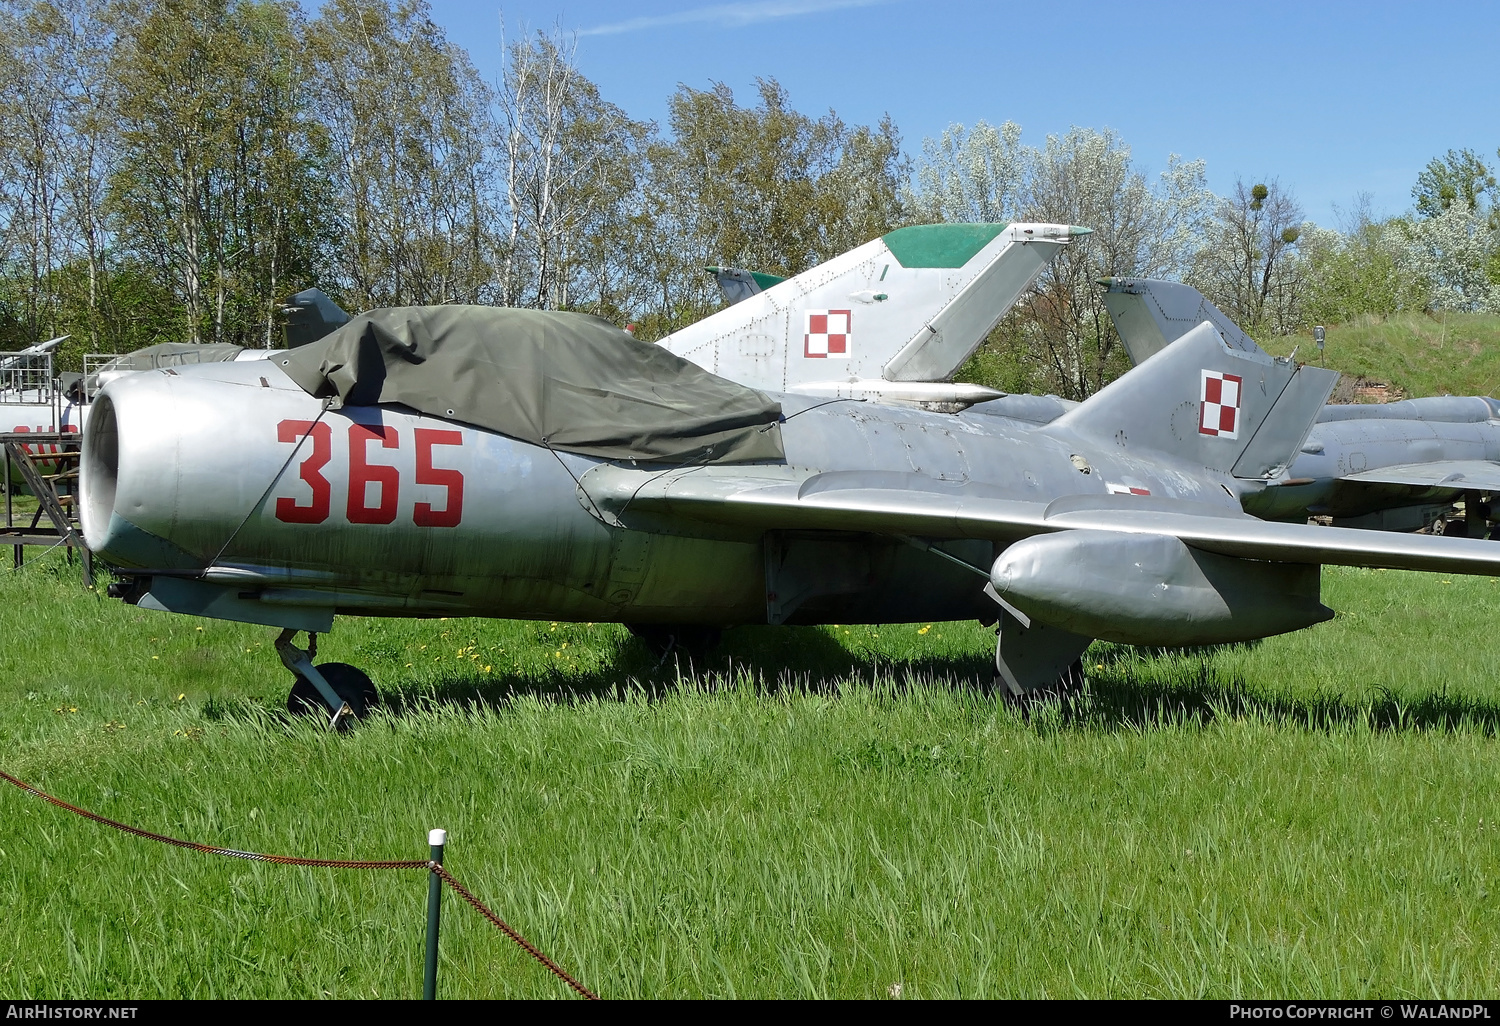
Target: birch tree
409 139
55 144
1059 336
216 186
574 168
1248 265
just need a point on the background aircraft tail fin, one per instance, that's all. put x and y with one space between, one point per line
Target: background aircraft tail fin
738 284
310 315
1151 314
910 306
1199 398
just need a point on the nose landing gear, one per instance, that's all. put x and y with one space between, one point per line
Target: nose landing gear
339 690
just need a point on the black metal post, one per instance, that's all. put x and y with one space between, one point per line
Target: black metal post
437 839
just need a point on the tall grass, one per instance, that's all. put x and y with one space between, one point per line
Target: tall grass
1421 354
844 811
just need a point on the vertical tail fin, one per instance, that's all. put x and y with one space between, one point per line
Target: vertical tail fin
1151 314
909 307
1232 410
310 315
738 284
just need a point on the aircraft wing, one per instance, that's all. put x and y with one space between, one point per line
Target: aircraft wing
783 498
1482 475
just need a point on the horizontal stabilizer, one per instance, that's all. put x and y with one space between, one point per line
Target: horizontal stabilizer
944 395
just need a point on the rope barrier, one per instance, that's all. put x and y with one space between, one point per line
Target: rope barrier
293 860
437 867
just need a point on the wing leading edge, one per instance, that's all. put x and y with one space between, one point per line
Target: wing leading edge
764 498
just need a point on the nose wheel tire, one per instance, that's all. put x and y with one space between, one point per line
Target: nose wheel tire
350 683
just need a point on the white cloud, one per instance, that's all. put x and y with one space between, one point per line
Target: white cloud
729 15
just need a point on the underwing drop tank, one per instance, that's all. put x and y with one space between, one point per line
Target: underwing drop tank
1141 589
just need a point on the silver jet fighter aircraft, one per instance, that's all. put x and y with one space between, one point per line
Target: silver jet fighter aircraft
467 461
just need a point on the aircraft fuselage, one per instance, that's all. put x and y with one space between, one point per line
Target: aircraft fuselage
378 510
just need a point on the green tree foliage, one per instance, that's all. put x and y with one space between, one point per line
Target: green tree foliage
171 169
763 187
1247 265
1059 337
774 189
1458 176
56 141
1364 272
574 171
408 136
216 185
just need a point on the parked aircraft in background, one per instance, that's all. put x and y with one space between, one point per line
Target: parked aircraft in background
52 403
862 313
1392 466
13 359
408 465
889 321
1396 466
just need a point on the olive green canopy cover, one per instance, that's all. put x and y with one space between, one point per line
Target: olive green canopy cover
564 380
174 354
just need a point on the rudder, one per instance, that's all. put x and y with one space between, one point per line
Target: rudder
1239 412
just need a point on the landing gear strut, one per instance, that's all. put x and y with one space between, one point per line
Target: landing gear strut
664 639
339 690
1036 662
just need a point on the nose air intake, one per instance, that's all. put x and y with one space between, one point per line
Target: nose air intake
100 472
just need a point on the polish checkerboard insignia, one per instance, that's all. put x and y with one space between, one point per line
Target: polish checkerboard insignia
828 335
1219 413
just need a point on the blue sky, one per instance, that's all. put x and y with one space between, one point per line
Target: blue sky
1332 99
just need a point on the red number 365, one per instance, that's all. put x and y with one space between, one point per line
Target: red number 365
363 474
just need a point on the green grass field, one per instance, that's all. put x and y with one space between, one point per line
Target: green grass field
1417 353
846 811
